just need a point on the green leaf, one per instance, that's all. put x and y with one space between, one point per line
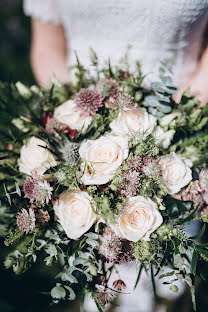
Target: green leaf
153 283
81 261
190 216
193 297
69 277
92 235
139 275
167 274
200 234
58 292
152 100
72 295
194 263
92 242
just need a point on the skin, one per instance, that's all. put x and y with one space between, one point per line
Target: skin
49 57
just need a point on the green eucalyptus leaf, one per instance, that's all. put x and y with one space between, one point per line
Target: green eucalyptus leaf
92 235
58 292
152 100
92 242
165 108
69 277
158 86
72 295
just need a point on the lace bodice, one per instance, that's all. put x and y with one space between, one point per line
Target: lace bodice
156 29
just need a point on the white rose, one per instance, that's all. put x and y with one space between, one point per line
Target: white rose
163 138
67 114
34 158
136 121
176 172
102 157
75 212
139 219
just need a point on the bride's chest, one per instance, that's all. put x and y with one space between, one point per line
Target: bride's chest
133 16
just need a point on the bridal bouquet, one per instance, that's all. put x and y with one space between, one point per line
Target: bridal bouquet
101 173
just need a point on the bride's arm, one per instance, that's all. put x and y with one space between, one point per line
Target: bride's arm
48 52
198 82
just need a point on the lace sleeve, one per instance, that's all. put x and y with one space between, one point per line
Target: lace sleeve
45 10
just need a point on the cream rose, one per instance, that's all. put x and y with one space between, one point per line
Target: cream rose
176 172
67 114
131 122
101 158
139 219
75 212
163 138
34 158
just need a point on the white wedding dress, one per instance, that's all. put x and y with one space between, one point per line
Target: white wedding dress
157 30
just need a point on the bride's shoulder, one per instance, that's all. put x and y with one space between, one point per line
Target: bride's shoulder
45 10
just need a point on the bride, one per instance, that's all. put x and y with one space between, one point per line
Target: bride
157 30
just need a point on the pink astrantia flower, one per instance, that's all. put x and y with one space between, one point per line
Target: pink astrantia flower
151 167
105 295
88 101
131 182
204 212
37 190
110 245
193 193
107 87
126 254
26 220
203 179
113 249
43 216
119 285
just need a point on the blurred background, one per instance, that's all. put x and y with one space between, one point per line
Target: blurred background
15 42
25 293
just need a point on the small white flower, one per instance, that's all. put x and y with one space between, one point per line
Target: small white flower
67 114
75 212
101 158
132 122
139 219
163 138
35 158
176 172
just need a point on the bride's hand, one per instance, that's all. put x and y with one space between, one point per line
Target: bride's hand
198 87
197 82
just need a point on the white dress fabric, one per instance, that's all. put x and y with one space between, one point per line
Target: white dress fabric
157 30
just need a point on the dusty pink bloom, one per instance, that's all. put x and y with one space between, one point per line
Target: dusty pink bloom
88 101
105 295
126 254
203 179
107 87
134 162
26 220
131 182
204 211
52 124
119 285
205 197
43 216
151 167
125 101
110 245
193 193
37 190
